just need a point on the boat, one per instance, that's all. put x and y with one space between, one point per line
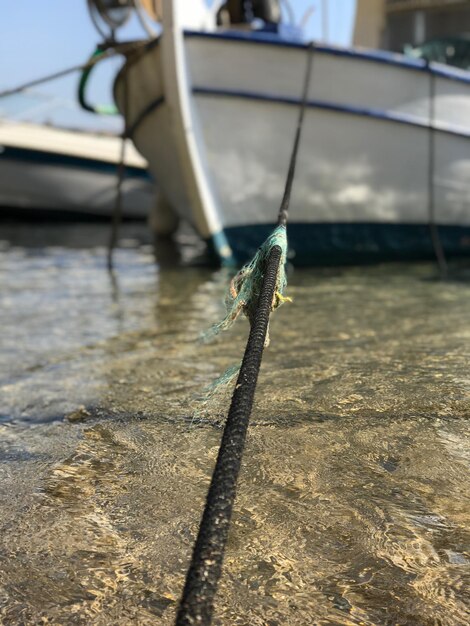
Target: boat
47 171
384 161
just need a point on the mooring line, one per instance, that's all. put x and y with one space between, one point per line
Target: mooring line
206 566
433 227
284 209
121 171
47 78
107 53
197 602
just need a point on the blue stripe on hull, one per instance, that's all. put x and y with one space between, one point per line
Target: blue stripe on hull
323 105
351 243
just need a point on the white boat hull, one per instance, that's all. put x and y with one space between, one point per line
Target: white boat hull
379 159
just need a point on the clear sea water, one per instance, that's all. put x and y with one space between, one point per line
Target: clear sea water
353 504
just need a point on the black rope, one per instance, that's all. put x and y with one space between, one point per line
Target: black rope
433 229
154 104
284 209
197 602
110 52
121 172
206 565
128 133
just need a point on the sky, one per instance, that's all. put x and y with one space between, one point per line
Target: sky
38 37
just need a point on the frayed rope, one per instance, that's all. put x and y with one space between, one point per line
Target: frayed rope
243 295
245 286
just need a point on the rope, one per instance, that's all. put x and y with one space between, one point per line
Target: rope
284 209
60 74
121 171
197 602
206 565
433 229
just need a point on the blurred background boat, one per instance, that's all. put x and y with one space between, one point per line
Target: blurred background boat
64 173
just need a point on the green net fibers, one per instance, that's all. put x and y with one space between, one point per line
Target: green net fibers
242 296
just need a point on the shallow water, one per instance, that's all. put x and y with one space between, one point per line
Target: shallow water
353 503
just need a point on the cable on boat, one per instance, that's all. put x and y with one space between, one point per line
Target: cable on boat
284 209
433 228
197 602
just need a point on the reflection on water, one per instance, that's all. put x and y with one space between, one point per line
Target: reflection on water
353 504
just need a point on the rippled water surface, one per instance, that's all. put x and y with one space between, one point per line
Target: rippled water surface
353 504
